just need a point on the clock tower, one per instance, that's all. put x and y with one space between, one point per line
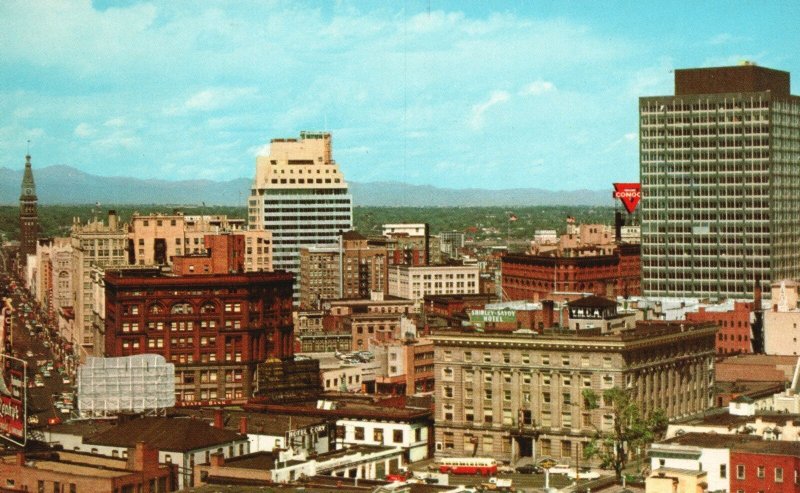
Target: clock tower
28 214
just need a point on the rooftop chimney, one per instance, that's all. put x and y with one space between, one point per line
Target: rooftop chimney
218 419
243 425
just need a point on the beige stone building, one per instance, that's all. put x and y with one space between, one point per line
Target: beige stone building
352 270
515 396
416 282
782 321
94 244
156 238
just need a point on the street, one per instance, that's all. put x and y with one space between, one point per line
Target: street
50 368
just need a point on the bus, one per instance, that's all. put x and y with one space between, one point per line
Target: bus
467 465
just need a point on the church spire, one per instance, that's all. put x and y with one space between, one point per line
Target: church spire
28 185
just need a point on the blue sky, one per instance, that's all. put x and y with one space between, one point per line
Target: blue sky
454 94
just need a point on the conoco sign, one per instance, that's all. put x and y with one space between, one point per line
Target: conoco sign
629 194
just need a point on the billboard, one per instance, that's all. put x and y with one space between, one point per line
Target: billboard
140 383
13 395
629 194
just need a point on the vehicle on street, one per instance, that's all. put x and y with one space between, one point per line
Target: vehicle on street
497 484
585 473
38 380
33 419
529 469
46 374
467 465
561 469
65 380
505 469
29 353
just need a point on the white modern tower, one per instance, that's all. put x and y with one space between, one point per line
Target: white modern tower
300 195
720 172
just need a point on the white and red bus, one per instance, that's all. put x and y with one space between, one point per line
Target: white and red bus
467 465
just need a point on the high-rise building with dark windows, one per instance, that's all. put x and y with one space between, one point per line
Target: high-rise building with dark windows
300 195
28 213
720 174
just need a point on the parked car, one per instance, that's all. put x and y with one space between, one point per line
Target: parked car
505 469
29 353
528 469
65 380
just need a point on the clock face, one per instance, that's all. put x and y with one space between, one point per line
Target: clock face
28 191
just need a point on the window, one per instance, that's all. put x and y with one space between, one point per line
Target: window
467 355
740 471
359 432
487 357
723 471
506 358
566 448
397 436
565 359
779 475
448 392
377 435
760 472
545 359
488 444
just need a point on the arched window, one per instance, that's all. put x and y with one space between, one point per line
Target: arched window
156 309
208 307
182 308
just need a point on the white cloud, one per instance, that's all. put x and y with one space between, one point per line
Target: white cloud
538 87
215 98
84 130
115 122
260 150
478 111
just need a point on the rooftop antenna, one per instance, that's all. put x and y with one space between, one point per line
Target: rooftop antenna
29 147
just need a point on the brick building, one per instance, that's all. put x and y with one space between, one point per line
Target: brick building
512 396
409 368
734 325
68 471
533 277
214 327
353 269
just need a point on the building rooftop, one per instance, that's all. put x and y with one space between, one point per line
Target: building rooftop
260 461
257 423
593 301
169 434
737 442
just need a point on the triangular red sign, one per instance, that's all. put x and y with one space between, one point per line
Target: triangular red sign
629 194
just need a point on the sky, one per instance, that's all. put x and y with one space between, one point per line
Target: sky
467 94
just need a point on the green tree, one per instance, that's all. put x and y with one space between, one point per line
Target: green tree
630 429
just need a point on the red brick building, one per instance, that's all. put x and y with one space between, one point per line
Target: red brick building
225 254
734 327
214 327
66 471
772 466
533 277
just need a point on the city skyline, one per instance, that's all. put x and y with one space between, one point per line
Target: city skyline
440 93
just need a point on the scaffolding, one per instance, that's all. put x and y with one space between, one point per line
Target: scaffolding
143 383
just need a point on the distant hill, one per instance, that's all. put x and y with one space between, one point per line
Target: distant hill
66 185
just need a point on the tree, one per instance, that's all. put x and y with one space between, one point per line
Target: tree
630 429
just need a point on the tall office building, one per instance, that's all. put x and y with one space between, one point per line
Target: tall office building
28 213
300 195
720 173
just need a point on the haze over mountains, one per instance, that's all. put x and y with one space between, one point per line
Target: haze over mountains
66 185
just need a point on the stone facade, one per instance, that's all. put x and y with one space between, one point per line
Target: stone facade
520 395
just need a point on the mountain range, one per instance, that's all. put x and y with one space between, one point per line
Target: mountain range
66 185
